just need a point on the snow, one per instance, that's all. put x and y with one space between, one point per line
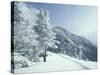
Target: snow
20 61
87 64
57 62
25 40
28 13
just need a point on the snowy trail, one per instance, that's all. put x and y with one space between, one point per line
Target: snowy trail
84 64
55 62
75 61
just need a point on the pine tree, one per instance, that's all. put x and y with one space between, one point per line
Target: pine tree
24 36
47 38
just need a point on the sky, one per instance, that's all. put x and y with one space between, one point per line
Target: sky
78 19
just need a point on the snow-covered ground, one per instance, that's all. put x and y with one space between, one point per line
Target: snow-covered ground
58 62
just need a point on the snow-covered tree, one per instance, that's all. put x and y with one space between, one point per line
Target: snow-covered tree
24 36
47 38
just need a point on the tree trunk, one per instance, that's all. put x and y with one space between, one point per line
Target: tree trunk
44 56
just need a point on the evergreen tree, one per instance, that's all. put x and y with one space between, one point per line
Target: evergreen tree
24 36
47 38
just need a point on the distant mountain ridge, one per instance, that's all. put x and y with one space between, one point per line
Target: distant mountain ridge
74 45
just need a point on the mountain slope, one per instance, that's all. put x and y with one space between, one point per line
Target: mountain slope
57 62
74 45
